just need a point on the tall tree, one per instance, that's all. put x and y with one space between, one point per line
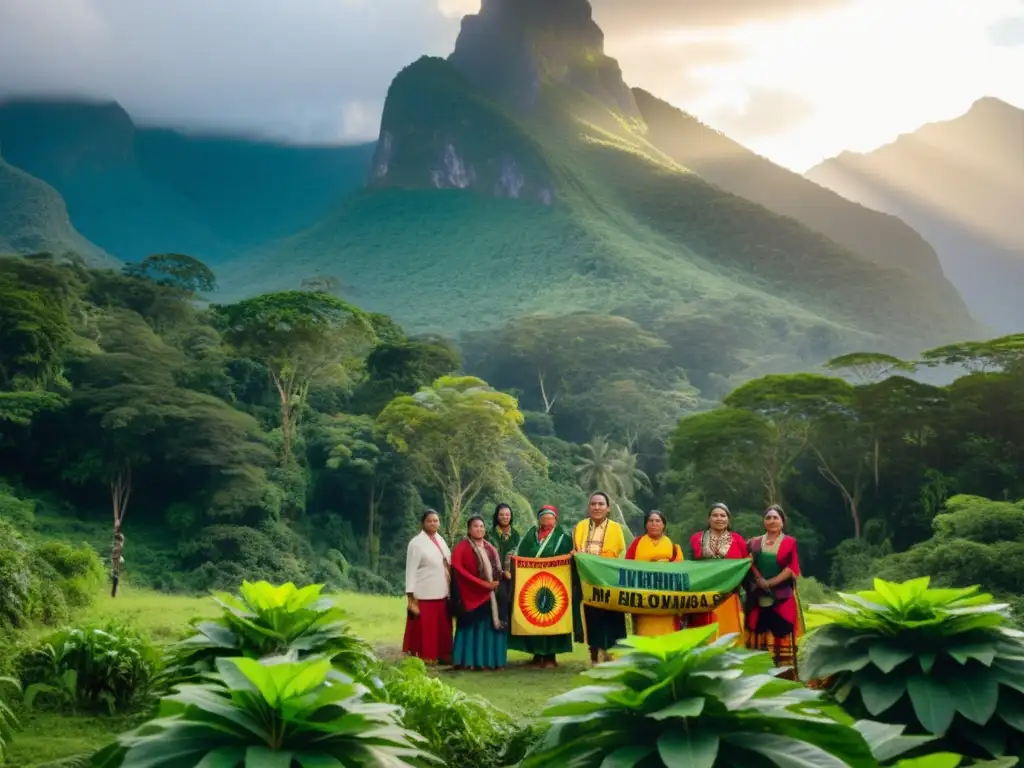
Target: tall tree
184 274
358 450
461 436
129 413
547 356
302 337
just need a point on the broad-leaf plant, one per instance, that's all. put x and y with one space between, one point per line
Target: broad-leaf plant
940 661
265 621
677 700
272 713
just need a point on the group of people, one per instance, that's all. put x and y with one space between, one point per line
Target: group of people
474 584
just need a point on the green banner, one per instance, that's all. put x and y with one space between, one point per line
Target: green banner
630 586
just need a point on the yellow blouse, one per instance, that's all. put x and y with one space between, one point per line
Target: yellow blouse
649 552
614 544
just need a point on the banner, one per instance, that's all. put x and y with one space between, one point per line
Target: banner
542 600
630 586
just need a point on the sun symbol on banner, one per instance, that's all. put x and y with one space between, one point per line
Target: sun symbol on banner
543 600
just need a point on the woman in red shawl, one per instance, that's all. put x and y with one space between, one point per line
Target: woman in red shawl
481 641
719 542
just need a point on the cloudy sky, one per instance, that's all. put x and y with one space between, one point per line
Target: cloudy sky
797 80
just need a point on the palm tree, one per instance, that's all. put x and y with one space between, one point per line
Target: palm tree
597 468
605 467
631 477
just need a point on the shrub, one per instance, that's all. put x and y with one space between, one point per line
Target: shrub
271 713
940 661
465 731
265 621
79 570
40 582
675 700
91 668
8 722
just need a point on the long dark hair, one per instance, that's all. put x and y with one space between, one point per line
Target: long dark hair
497 509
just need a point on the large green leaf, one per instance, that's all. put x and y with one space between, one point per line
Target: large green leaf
787 753
940 760
976 694
888 741
887 657
627 757
933 704
685 748
880 692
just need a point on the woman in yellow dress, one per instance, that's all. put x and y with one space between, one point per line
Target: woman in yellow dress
601 630
655 547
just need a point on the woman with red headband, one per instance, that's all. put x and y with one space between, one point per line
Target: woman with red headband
545 539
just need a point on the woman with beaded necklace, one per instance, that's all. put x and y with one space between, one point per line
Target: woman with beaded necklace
719 542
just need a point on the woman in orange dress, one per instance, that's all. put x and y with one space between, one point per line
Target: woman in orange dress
719 542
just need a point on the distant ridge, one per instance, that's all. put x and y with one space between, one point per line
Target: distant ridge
960 183
34 219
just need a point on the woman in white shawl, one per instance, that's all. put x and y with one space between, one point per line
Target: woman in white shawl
428 625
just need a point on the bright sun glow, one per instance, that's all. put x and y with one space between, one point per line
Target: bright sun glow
868 72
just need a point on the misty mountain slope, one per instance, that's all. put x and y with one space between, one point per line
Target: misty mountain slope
34 219
879 237
961 184
516 176
250 192
142 191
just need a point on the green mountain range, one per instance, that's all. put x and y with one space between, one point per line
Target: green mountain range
520 175
961 184
33 218
136 191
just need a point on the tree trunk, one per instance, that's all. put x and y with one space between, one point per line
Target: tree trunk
120 492
371 529
548 404
877 451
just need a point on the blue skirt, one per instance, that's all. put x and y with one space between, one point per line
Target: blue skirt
478 643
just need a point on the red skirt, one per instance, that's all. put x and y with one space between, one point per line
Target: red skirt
429 635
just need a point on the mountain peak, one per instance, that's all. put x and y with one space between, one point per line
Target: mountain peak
509 47
51 137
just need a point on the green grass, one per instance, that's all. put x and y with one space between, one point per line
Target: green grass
519 690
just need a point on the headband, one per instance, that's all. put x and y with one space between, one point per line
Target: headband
547 509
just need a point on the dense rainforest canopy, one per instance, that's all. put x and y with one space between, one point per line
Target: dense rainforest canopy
294 436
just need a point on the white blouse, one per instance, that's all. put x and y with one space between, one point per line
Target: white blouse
425 575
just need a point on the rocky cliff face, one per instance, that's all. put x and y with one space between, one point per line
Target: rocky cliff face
451 124
507 48
437 132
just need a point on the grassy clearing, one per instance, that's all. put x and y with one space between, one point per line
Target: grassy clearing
46 737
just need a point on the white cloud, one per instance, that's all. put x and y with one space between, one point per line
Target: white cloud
855 72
